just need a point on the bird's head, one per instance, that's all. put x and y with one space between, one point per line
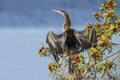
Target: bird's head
59 11
66 25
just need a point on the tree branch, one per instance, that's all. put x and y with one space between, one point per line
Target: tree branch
112 54
93 63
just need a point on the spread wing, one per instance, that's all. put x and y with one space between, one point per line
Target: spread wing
92 36
85 40
56 43
82 40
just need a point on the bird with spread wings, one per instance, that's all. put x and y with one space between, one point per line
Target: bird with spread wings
70 41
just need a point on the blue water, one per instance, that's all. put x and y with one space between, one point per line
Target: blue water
37 13
18 55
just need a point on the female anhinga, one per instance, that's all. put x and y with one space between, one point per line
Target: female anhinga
70 41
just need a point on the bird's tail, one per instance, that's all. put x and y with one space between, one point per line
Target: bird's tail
56 58
70 66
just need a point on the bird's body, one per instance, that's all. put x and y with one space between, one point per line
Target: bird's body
70 41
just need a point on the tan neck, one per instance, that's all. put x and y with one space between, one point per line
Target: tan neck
65 27
67 19
67 23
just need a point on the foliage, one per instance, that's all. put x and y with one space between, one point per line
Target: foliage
98 64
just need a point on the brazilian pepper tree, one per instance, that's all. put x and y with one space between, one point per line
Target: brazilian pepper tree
100 62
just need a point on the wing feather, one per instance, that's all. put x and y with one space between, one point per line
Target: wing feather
92 36
82 39
56 42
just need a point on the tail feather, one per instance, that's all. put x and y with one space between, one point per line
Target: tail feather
70 66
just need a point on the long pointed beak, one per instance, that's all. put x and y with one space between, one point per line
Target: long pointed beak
58 11
54 10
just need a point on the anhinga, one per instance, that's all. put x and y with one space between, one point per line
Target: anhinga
70 41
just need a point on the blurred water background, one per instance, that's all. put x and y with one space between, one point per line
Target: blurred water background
24 25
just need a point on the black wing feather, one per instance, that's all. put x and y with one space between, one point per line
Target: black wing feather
86 41
82 39
70 41
56 43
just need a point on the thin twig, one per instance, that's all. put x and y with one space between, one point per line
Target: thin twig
92 63
115 58
59 68
112 54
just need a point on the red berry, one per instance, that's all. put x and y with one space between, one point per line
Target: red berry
95 54
89 25
49 67
96 14
114 29
109 66
104 42
98 25
110 14
107 25
119 23
98 35
76 58
41 49
110 4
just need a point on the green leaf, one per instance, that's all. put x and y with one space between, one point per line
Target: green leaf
119 58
